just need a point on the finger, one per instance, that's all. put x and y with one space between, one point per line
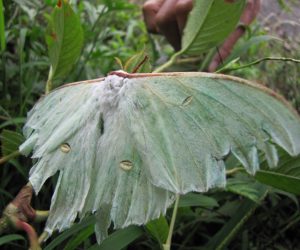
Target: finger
183 8
167 24
250 12
150 9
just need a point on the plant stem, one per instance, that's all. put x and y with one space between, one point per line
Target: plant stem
188 60
43 237
234 170
167 245
41 215
48 86
207 59
284 59
10 156
167 64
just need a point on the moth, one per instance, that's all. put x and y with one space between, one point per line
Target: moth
124 145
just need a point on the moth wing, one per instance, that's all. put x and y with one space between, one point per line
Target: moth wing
62 130
80 132
185 126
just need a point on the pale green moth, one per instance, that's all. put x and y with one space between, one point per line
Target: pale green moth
126 143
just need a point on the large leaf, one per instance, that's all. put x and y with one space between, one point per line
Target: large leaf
209 23
126 143
64 39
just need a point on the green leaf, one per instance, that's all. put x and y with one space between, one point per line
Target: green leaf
64 39
119 239
10 141
281 181
286 177
13 121
73 230
194 199
159 229
81 237
2 28
9 238
244 187
209 23
222 238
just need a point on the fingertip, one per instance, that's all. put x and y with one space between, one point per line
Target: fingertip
182 9
150 10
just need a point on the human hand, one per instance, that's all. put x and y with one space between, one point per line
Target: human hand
168 17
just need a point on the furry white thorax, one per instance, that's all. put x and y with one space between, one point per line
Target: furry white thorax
108 93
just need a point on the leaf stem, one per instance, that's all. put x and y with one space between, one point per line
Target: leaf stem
41 215
234 171
49 81
43 237
10 156
167 245
284 59
167 64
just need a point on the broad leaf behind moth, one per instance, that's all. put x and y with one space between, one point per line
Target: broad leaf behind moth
126 143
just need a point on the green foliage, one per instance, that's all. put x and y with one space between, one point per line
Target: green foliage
82 236
64 39
209 23
197 200
120 239
240 215
245 187
286 177
2 27
159 229
10 141
243 48
80 227
9 238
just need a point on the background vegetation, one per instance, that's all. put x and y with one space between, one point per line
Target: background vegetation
254 215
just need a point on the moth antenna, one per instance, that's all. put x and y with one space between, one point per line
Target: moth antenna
146 57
